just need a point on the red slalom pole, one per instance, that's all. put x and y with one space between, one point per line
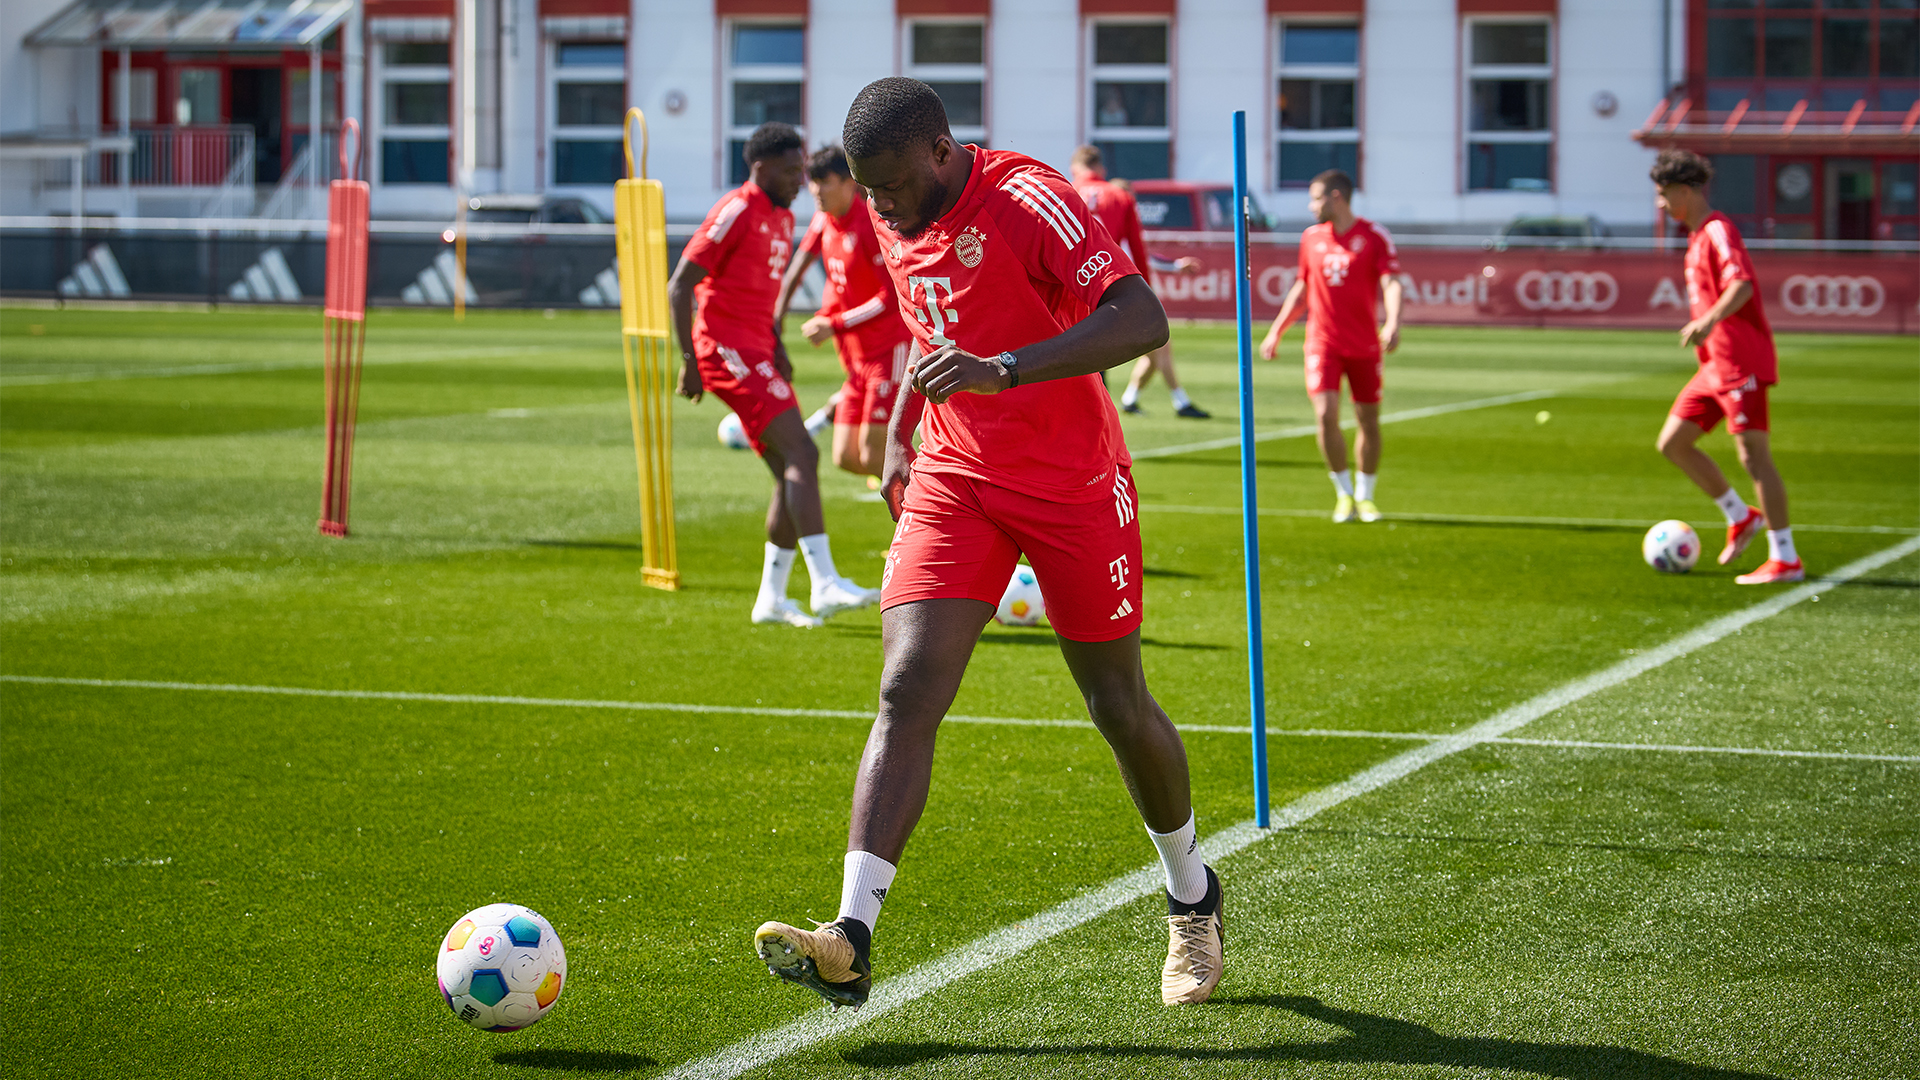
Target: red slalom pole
345 335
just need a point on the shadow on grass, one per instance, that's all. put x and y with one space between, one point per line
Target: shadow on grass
1636 850
606 1061
584 545
1882 583
1475 523
1370 1040
1199 645
1155 571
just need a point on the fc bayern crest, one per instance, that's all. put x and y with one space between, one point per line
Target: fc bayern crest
969 246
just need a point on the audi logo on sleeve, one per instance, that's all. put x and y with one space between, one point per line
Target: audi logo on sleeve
1100 261
1558 290
1820 294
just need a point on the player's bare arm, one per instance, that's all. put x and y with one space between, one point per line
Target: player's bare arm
1128 322
1695 332
1289 307
1393 293
680 302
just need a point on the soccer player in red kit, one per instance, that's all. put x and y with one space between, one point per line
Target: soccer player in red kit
1115 208
1347 263
1729 332
857 311
731 270
1019 297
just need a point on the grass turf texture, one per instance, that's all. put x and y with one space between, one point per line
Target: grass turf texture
235 885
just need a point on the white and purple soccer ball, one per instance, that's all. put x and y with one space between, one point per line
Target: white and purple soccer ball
1021 604
501 967
1671 547
732 433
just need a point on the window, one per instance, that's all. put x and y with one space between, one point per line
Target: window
198 99
1509 105
1128 98
1317 101
1775 53
589 96
766 65
415 113
951 57
140 85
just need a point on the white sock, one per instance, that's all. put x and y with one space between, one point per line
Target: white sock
863 885
1734 507
1130 396
1180 857
819 559
1180 398
1363 484
774 573
1342 482
821 419
1780 545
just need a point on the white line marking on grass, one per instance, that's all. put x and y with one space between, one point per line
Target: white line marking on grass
1010 941
1498 519
1308 429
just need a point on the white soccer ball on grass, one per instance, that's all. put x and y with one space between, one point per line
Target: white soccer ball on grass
1671 547
733 434
1021 604
501 967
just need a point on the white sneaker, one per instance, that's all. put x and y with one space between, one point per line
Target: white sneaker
783 610
840 594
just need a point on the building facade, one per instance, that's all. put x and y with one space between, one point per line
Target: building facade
1452 114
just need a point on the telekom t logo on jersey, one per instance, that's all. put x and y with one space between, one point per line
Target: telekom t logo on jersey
1335 267
927 290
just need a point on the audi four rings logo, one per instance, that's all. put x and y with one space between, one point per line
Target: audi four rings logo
1819 294
1100 261
1558 290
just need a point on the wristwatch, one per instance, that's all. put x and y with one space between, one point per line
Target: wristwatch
1010 364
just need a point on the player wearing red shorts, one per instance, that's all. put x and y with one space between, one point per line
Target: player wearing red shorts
730 270
1346 263
1115 208
1019 298
857 311
1730 334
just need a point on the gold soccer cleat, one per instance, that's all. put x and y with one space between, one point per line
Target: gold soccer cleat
827 961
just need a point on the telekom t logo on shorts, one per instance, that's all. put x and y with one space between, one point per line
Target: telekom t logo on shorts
927 290
1117 572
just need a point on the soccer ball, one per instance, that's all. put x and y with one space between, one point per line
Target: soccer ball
501 967
1021 604
1671 547
733 434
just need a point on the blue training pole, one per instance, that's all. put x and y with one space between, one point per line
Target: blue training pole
1249 503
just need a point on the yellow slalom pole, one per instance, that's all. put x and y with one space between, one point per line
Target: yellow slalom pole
640 233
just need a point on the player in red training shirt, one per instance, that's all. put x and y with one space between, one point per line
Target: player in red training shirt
1346 264
1114 207
857 311
1019 298
1729 331
731 349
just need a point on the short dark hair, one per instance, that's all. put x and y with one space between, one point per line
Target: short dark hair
1335 180
827 161
1681 167
770 140
1088 156
893 115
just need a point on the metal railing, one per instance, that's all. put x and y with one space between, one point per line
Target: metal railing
201 155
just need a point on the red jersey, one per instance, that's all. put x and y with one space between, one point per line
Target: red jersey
1343 273
1117 210
1017 260
743 244
1740 346
859 295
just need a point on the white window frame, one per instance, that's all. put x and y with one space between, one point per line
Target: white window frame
1329 72
556 133
1471 73
391 74
1097 73
754 73
932 73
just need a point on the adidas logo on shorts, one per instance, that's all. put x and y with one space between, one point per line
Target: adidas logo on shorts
1126 609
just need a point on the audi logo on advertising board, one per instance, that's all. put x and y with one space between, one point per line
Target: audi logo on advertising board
1563 290
1822 294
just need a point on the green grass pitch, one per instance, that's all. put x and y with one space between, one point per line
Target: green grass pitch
222 884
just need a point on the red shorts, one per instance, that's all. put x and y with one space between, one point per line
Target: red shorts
1325 368
746 380
1744 406
959 538
872 383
